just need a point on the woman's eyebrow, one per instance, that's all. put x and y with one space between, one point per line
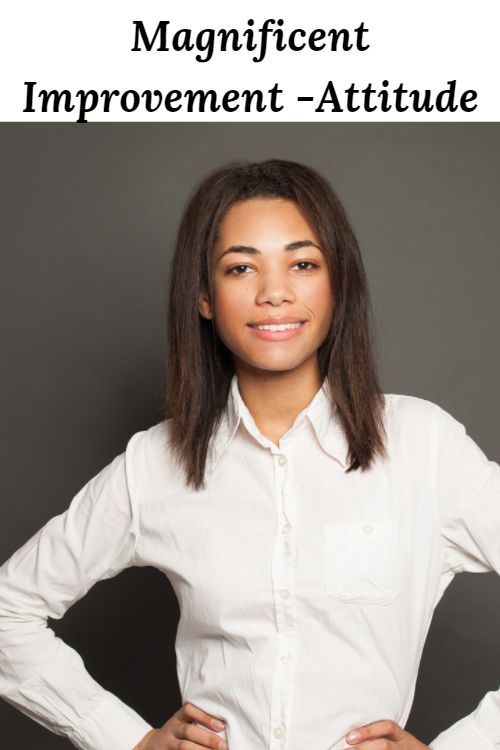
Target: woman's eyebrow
249 250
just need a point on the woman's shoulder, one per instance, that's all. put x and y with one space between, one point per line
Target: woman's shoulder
405 411
148 453
153 438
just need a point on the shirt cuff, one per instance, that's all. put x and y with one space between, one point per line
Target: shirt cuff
67 700
112 726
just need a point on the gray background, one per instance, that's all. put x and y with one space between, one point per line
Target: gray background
89 216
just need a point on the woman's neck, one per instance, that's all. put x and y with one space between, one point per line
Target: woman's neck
274 399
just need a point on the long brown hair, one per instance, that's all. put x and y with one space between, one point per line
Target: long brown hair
199 367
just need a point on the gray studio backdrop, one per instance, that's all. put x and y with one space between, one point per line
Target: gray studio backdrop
89 216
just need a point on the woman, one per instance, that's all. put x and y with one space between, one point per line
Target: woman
308 523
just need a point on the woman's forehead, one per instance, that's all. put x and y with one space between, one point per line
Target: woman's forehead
259 216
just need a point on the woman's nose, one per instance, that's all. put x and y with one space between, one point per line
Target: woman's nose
274 288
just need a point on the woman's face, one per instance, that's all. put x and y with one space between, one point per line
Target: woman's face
272 302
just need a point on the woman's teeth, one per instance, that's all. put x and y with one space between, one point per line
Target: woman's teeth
280 327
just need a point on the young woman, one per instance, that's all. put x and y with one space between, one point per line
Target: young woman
308 523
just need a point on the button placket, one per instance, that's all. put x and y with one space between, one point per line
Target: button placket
283 579
283 543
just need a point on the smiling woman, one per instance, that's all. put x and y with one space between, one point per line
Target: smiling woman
267 244
272 301
308 522
271 284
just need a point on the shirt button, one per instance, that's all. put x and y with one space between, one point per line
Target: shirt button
282 460
286 528
368 528
285 658
279 732
284 593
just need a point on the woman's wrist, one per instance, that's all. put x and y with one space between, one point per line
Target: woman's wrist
143 742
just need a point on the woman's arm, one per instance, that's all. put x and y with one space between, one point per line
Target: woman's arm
42 676
468 510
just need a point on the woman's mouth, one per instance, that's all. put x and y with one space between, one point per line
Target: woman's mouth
277 326
277 331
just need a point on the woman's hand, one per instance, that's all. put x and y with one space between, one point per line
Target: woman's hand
180 733
383 735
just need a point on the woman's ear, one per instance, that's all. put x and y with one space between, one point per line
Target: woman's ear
204 305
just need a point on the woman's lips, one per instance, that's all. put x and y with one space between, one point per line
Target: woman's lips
277 331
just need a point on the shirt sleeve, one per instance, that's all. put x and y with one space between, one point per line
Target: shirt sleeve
41 675
468 510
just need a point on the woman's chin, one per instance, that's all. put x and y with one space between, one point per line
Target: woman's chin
272 364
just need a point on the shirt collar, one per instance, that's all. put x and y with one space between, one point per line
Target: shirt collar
321 412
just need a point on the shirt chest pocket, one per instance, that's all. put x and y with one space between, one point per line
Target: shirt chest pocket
362 561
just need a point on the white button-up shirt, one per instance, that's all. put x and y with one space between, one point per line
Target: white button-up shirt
305 592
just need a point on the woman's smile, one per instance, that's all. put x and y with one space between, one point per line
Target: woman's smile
277 329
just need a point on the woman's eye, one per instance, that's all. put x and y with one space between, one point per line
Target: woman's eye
238 270
305 265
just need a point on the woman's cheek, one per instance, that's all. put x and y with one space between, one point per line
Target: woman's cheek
238 305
